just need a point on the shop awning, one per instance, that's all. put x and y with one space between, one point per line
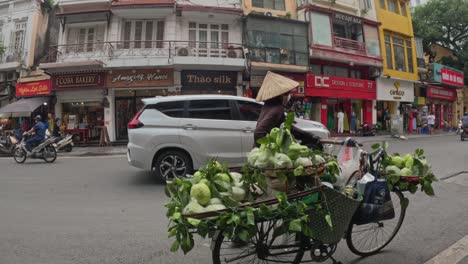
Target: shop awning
72 67
23 107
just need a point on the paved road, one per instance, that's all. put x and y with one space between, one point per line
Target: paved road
99 210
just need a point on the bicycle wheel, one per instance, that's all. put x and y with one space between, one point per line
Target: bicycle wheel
368 239
264 247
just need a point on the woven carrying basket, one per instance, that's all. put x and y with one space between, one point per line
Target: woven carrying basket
341 208
309 178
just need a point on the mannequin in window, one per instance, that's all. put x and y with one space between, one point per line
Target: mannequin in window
340 117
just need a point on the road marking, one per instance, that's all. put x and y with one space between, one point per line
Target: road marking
452 255
79 157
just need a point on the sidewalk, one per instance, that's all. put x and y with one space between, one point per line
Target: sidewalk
122 150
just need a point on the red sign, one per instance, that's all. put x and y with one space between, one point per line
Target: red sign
452 77
338 87
33 88
299 91
442 93
79 80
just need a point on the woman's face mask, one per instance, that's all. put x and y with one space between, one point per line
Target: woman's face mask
286 99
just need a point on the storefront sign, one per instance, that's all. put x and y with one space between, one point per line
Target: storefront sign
209 79
79 80
33 88
442 93
348 18
447 75
394 90
140 78
338 87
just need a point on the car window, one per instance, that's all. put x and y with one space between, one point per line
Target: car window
210 109
172 109
249 111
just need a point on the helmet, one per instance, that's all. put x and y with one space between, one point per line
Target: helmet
38 118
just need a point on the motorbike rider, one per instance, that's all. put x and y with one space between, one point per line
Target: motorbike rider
275 93
39 130
464 121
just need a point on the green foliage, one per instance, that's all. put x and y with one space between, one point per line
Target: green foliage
47 6
2 49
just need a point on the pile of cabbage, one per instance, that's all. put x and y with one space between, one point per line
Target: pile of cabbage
410 165
279 152
210 189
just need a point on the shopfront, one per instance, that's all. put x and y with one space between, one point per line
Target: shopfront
442 101
129 87
394 97
209 82
80 104
337 94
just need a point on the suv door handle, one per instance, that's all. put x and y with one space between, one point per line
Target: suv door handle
248 130
189 127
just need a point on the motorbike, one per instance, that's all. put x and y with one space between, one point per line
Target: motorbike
463 133
367 130
7 146
44 150
64 143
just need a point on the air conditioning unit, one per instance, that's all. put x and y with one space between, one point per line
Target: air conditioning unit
183 51
232 54
11 76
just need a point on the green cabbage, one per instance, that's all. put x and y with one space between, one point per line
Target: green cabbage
409 162
304 162
197 177
253 156
238 194
223 177
392 170
201 192
193 207
236 176
317 160
282 161
398 161
215 201
263 160
215 207
406 172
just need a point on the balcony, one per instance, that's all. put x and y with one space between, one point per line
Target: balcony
278 59
11 58
149 53
350 44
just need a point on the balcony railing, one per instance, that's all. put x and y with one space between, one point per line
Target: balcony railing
144 49
279 56
350 44
11 54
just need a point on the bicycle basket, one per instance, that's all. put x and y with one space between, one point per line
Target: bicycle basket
341 208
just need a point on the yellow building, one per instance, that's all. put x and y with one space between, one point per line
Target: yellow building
282 8
395 87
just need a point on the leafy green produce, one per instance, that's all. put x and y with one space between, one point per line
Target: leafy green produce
398 161
201 192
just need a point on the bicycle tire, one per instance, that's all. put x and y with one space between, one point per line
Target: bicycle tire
362 253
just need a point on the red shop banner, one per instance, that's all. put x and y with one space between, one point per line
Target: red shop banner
33 88
442 93
338 87
452 77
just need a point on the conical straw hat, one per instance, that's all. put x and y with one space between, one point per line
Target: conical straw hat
274 85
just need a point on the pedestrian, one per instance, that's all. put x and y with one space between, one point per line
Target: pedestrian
340 117
353 122
387 119
431 122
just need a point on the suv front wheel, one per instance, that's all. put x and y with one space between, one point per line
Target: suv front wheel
172 164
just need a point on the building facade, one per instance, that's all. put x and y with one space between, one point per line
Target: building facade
345 59
111 55
23 30
395 87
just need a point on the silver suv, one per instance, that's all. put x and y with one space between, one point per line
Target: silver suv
172 136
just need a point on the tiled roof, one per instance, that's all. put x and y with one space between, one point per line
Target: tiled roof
83 8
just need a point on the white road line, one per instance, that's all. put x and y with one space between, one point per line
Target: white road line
452 255
78 157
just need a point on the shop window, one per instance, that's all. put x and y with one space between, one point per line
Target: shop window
382 4
142 34
270 4
372 40
18 36
399 53
210 109
367 4
335 71
249 111
321 29
345 27
316 68
356 74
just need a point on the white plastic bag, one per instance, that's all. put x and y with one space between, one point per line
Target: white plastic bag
348 161
361 184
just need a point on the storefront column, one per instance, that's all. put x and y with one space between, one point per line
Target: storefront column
374 112
109 115
240 87
324 113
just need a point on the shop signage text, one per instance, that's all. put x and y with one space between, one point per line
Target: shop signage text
447 75
338 87
397 93
394 90
140 78
209 79
80 80
33 88
348 18
441 93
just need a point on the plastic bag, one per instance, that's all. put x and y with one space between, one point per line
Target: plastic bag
349 161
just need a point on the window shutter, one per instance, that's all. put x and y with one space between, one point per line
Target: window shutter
100 33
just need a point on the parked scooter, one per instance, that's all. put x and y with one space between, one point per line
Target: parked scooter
8 145
463 133
367 130
45 150
64 143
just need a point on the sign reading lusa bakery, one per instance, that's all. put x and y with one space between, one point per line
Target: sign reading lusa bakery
135 78
209 79
79 80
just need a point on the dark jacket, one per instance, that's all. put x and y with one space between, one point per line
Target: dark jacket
272 115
